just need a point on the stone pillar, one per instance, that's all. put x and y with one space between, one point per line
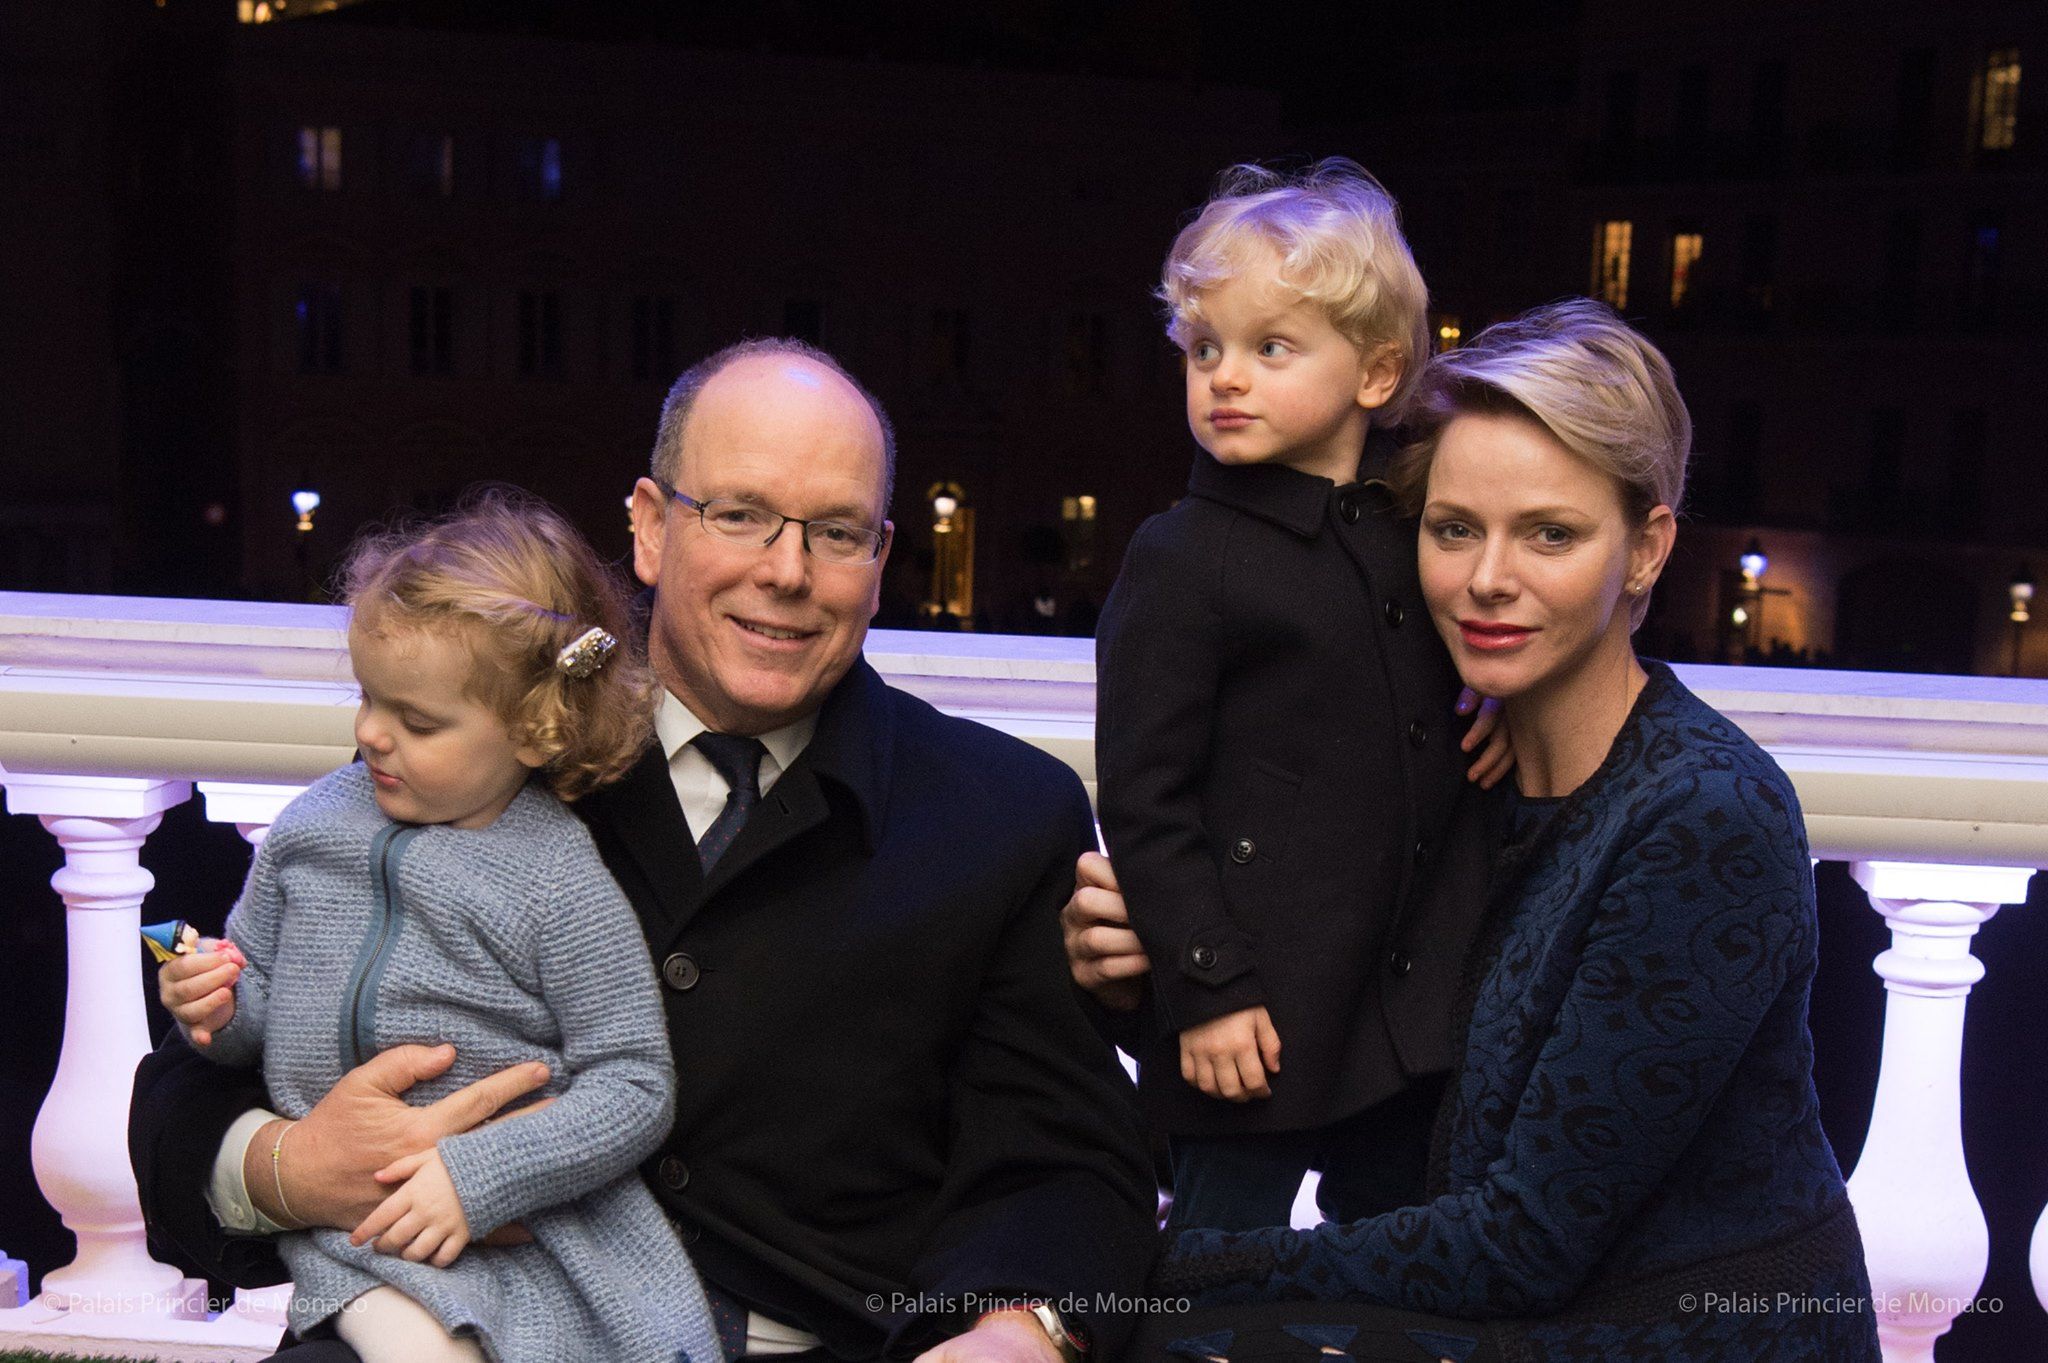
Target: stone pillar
80 1145
1923 1229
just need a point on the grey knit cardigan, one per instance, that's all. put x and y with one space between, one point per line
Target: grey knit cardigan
513 943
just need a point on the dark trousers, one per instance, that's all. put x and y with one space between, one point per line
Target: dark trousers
1372 1162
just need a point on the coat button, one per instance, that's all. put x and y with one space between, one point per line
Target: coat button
1418 733
1399 964
1349 509
681 972
1203 957
673 1173
1243 850
1421 851
1396 613
689 1232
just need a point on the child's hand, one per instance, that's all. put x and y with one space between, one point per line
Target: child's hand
423 1218
1497 758
1229 1057
199 989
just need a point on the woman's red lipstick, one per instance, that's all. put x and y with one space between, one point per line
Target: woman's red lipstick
1493 636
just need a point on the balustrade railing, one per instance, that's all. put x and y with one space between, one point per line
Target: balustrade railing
114 709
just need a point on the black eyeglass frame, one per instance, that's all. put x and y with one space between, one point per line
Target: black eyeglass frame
782 522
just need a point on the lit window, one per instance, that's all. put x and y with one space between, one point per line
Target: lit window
1685 258
250 11
1449 332
1610 262
320 158
1995 100
540 167
1078 508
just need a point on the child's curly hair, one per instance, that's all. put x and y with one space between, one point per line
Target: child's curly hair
519 584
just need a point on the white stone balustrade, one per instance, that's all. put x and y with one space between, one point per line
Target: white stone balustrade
1934 788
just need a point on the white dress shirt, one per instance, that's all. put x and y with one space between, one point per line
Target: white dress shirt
699 787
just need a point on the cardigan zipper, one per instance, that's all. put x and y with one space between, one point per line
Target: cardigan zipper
386 906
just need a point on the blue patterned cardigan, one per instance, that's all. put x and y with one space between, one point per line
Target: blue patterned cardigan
1630 1163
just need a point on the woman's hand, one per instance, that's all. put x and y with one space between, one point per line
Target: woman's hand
1489 734
1104 954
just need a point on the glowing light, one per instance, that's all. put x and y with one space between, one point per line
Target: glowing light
305 502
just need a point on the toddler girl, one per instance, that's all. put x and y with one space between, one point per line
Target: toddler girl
438 890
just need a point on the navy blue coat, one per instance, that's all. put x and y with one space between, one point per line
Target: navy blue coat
1631 1162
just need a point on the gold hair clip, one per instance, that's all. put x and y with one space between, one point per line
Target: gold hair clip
587 654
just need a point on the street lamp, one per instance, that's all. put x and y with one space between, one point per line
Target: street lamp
1754 564
2021 590
305 502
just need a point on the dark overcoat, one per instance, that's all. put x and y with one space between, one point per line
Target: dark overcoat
1280 775
887 1087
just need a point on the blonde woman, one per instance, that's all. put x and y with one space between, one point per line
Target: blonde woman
1630 1162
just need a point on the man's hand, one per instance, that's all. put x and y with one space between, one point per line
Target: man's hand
1497 750
998 1337
199 989
423 1220
1229 1057
1103 953
329 1163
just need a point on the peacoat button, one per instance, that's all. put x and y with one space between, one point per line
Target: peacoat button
680 972
1399 964
1418 733
1421 850
673 1173
689 1232
1349 508
1243 850
1396 613
1203 957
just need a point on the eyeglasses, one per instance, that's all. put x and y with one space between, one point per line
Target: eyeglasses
745 523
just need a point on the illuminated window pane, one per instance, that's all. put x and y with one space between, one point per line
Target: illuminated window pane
319 165
1611 242
1685 256
1998 93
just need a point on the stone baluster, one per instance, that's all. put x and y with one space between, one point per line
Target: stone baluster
1923 1229
80 1145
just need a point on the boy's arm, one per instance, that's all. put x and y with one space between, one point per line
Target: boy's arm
1159 659
598 979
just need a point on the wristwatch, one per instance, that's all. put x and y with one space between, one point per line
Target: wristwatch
1072 1344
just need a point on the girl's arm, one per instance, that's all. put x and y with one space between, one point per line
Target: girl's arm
598 979
254 927
1666 998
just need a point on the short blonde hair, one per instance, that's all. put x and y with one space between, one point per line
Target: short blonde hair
1338 236
518 583
1595 383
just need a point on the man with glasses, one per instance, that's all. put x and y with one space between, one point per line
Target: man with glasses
895 1129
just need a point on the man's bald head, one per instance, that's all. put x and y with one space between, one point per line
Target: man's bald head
683 394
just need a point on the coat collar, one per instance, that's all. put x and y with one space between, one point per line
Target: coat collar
850 754
1289 498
